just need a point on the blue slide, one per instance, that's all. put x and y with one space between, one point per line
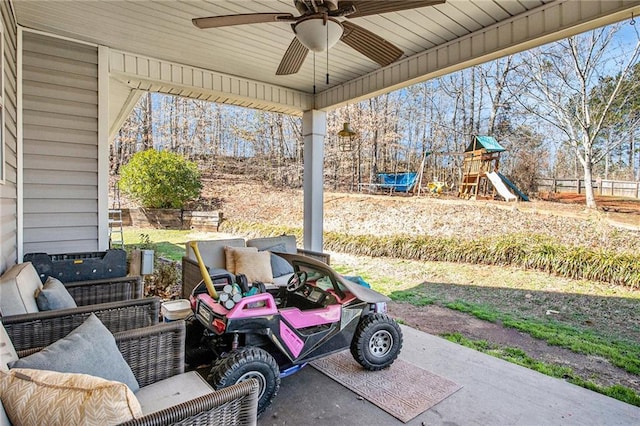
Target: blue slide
513 187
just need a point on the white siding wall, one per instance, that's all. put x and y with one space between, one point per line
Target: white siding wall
60 140
8 190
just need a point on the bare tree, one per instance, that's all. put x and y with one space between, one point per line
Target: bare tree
561 81
496 75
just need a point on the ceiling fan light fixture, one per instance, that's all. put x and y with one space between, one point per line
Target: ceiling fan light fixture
318 33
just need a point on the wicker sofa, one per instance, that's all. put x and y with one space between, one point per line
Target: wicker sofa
213 255
117 302
156 357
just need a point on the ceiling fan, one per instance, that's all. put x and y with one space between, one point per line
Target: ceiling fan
318 28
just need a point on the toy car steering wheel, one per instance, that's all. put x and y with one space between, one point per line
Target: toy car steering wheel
296 281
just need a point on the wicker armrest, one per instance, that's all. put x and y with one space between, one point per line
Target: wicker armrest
106 290
322 257
154 353
43 328
233 405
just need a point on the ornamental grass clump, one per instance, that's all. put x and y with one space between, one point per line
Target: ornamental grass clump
542 256
510 250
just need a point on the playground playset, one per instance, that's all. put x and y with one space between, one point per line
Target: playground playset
480 178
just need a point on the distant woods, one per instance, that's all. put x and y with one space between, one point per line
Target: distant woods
561 110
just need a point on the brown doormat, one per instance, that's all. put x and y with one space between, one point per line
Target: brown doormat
403 390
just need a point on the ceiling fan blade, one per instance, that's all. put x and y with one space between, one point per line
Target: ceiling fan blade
242 19
369 44
368 7
293 58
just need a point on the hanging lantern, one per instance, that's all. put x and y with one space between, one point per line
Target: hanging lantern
347 137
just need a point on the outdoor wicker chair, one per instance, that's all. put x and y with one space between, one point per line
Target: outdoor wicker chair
117 302
156 353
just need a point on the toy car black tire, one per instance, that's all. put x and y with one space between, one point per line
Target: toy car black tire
376 342
243 364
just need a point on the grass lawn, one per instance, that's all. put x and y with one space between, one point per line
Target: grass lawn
168 243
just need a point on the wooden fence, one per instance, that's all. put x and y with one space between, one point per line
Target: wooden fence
172 219
618 188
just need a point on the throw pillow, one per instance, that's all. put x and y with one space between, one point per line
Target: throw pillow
278 248
279 266
39 397
54 295
256 265
230 254
89 349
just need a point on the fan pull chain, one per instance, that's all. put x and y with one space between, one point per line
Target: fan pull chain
326 25
314 73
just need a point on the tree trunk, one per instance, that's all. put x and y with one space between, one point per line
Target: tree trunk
588 178
632 157
375 148
147 131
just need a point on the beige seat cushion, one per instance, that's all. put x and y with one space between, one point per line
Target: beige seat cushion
7 351
39 397
18 286
255 265
172 391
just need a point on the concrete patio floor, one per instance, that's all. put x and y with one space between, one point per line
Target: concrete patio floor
494 392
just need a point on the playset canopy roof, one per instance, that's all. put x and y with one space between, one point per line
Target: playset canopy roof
488 143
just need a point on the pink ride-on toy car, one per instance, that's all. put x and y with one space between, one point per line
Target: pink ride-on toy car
271 334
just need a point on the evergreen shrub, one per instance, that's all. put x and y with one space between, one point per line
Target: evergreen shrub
160 179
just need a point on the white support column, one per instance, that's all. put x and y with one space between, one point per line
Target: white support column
314 129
